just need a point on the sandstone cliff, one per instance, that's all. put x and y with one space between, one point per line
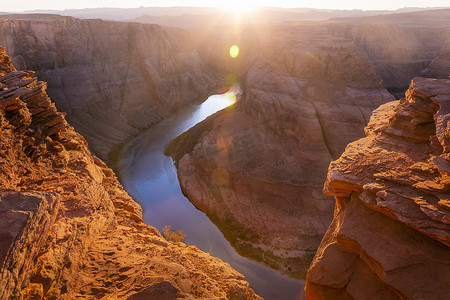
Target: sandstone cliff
440 66
390 235
400 46
68 229
257 168
113 79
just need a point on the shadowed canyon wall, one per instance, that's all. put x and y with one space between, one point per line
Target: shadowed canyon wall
390 235
113 79
440 66
68 229
257 169
401 46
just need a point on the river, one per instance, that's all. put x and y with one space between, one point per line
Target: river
150 178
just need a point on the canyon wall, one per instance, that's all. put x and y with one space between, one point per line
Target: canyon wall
257 168
68 229
401 46
440 66
390 234
113 79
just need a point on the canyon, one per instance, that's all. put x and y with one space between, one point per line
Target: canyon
256 168
122 77
118 78
69 230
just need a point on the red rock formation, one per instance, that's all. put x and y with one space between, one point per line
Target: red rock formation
257 169
390 235
111 78
68 229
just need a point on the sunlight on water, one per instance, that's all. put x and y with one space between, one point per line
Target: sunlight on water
216 103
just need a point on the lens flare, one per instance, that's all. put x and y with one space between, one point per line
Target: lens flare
234 51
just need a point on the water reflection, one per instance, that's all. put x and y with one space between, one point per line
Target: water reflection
150 178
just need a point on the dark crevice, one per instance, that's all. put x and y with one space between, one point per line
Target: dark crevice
327 143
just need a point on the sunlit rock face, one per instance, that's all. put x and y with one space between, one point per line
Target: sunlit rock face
257 169
111 78
390 235
68 230
401 46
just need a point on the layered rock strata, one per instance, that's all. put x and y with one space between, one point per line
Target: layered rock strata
257 168
390 235
68 229
440 66
401 46
111 78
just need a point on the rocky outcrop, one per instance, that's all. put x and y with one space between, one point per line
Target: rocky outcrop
256 169
68 229
111 78
390 235
399 46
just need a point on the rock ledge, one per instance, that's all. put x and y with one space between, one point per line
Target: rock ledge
390 235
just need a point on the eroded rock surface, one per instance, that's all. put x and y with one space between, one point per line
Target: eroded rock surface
257 168
390 235
68 229
111 78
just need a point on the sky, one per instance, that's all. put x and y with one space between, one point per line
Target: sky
22 5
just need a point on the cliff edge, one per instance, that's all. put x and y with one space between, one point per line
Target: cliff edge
390 234
68 229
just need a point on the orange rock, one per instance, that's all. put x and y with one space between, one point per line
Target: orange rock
390 235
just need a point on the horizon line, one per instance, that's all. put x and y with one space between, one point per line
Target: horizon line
219 7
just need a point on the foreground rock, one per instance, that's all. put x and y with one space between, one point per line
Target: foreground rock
111 78
257 168
390 235
68 229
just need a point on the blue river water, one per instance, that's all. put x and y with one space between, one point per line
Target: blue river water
150 178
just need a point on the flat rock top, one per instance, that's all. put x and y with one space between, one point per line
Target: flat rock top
435 17
32 17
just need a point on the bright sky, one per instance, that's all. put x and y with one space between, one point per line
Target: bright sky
21 5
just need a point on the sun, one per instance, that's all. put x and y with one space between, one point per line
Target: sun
239 6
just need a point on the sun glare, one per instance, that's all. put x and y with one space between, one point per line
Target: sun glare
240 6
